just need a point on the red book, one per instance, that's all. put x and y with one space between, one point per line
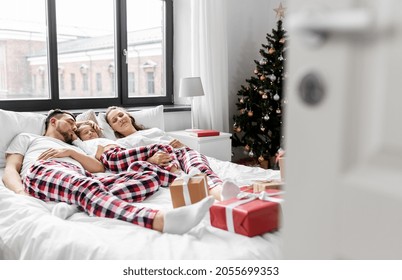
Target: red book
204 132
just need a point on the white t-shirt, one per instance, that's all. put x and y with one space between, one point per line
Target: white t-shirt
91 146
31 146
145 137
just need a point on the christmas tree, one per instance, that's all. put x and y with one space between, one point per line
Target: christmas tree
258 125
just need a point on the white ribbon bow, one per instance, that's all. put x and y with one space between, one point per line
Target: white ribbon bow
186 178
246 197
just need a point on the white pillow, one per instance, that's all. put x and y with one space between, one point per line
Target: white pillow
152 117
13 123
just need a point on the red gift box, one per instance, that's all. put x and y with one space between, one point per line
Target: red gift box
252 217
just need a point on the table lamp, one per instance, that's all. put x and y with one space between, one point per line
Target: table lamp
191 87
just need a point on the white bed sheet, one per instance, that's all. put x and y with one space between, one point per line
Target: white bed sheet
32 229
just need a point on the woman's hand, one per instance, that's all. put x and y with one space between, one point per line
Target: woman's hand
160 158
176 144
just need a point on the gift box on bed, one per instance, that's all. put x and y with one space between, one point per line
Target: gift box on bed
188 190
249 214
262 185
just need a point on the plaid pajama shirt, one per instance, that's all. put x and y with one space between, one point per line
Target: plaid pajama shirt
118 159
108 196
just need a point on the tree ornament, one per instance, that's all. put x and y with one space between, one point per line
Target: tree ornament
238 129
262 127
280 12
242 100
235 126
261 158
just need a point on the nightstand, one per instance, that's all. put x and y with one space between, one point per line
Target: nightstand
219 147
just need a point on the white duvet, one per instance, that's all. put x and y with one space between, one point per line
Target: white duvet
32 229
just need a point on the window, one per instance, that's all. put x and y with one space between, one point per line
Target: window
47 42
98 82
72 77
85 82
150 82
61 81
131 83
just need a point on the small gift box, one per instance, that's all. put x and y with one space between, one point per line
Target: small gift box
262 185
188 190
248 214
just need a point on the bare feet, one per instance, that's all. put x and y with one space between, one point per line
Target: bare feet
158 222
216 192
175 169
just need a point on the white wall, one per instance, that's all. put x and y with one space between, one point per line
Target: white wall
179 120
248 22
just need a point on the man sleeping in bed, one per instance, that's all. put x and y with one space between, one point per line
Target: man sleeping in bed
49 168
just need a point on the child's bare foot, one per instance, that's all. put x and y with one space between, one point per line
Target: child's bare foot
175 169
99 152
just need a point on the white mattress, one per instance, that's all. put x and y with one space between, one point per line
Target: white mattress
33 229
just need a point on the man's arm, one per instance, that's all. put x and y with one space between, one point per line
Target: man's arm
11 177
89 163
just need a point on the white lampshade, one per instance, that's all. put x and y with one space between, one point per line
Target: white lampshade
190 87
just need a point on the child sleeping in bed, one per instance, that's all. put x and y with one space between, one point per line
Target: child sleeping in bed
118 159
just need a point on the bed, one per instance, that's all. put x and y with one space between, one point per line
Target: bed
33 229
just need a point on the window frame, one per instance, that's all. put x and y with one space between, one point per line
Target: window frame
121 76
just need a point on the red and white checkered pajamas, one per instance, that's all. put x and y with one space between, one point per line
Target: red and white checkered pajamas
118 159
108 195
190 159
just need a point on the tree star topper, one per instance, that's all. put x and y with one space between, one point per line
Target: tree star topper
280 11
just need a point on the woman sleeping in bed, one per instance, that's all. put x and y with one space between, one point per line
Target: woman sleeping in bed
49 168
129 132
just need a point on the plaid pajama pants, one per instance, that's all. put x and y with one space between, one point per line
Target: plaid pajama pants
118 159
108 196
190 159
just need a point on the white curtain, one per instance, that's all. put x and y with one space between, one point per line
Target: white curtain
210 62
